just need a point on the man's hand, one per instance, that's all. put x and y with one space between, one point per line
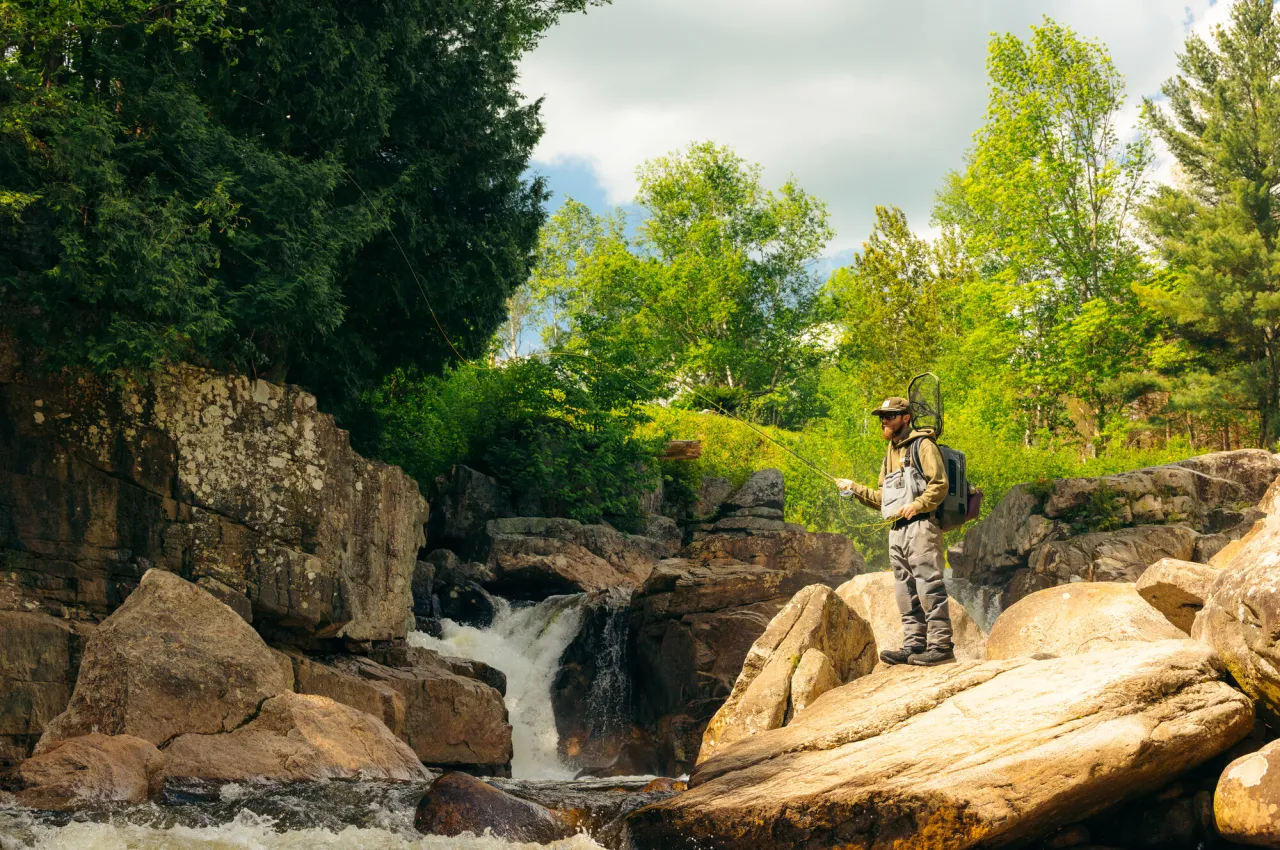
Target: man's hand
909 511
844 483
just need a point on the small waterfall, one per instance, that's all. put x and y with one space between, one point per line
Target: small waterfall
609 700
526 643
982 601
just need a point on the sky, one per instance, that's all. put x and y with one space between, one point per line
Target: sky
864 102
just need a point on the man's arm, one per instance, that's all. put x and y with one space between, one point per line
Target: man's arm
869 496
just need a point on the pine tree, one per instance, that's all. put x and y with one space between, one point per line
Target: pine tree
1218 228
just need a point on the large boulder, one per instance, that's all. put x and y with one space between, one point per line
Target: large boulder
537 557
816 624
871 596
221 477
92 768
1109 528
1247 798
38 670
1077 618
457 803
963 755
692 624
763 489
296 738
462 504
312 676
1177 589
171 660
1241 618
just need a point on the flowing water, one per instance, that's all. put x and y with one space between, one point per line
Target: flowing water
526 643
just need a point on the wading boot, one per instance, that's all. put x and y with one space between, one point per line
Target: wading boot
933 657
898 656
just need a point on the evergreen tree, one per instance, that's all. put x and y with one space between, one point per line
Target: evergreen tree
1217 229
235 185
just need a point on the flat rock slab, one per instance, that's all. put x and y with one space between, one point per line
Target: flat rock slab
965 755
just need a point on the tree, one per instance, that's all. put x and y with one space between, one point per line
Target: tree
716 287
894 305
312 188
1217 230
1046 207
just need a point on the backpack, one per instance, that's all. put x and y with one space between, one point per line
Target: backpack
962 502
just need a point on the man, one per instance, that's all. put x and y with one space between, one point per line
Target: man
913 483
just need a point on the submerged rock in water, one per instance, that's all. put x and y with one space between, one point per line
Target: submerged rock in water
92 768
1076 618
171 660
296 738
964 755
457 803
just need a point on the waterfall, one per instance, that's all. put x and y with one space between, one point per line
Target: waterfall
524 642
609 700
982 601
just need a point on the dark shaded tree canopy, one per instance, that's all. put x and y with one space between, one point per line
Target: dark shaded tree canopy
233 185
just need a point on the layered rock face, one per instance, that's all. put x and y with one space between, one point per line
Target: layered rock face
1039 537
239 484
38 667
965 755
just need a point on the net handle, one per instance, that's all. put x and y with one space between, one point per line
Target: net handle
911 387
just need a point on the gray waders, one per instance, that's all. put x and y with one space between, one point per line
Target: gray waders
915 554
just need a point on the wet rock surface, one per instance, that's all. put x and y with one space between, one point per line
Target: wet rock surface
92 768
457 803
878 761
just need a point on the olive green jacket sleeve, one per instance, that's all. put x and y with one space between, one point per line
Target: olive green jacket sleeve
935 476
870 496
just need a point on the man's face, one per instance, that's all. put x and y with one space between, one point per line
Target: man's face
891 425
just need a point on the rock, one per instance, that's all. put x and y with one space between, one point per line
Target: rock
815 619
814 676
764 489
664 783
469 668
871 597
963 755
468 604
748 524
1077 529
457 803
1120 555
38 670
1177 589
423 585
1077 618
451 570
232 598
171 660
296 738
351 689
793 551
215 476
1248 797
534 557
1228 552
713 490
1241 618
463 503
449 720
92 768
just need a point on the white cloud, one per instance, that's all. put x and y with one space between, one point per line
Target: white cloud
866 102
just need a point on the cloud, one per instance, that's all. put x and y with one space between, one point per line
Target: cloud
864 102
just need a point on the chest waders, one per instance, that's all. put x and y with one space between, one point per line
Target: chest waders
915 554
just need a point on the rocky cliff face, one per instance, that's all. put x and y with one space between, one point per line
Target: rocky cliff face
239 485
1109 528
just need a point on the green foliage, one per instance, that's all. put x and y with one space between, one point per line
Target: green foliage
714 288
1217 230
232 184
560 437
1045 209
